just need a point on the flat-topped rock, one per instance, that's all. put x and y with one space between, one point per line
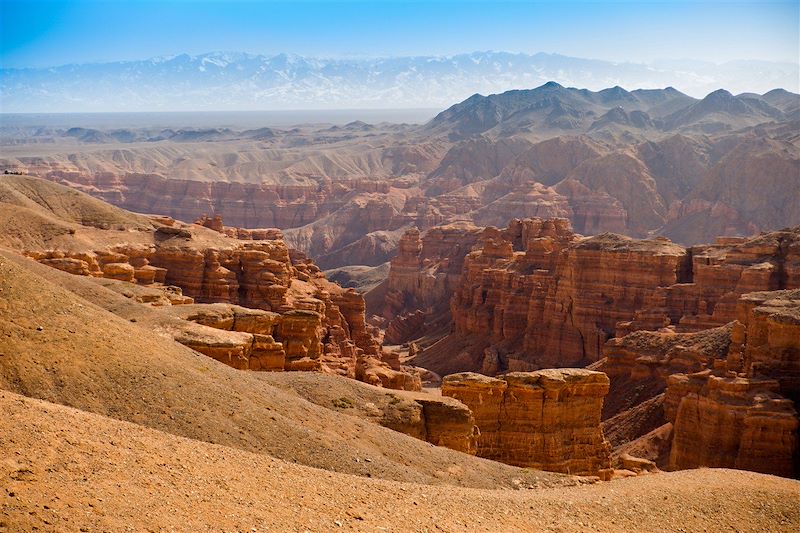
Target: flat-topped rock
228 317
557 378
548 419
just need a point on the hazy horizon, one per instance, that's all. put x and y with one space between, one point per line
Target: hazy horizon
215 119
238 82
203 55
384 57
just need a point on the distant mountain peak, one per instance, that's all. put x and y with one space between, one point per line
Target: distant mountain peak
551 85
223 80
553 109
719 94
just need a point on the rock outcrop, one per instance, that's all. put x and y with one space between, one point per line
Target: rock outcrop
718 275
248 234
548 419
263 353
536 295
743 412
640 363
733 422
280 312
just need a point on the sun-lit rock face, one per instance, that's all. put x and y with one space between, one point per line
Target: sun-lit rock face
732 422
537 295
721 272
259 349
421 279
743 413
541 296
548 419
279 312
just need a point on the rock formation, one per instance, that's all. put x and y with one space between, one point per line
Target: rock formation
548 419
640 363
743 412
537 295
281 314
422 277
316 325
264 352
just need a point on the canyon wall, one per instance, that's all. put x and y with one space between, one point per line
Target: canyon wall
743 412
640 363
537 295
421 279
246 205
547 420
305 323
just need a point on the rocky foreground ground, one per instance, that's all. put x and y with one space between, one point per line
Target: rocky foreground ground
68 470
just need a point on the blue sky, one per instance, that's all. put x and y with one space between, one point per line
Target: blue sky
55 32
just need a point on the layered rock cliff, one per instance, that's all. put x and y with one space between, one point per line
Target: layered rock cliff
422 277
640 363
281 314
742 413
547 420
537 295
314 324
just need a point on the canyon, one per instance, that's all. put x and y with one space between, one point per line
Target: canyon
700 344
259 307
536 294
640 163
511 299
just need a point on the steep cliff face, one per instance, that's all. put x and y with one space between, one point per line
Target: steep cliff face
733 422
537 295
599 281
548 419
421 279
640 363
720 273
743 412
247 205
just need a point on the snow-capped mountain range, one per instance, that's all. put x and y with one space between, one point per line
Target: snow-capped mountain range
238 81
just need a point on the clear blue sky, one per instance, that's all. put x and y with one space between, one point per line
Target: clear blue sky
52 32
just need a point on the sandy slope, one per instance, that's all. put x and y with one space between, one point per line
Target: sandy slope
63 470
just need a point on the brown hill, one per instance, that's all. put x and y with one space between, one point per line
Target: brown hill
640 163
68 470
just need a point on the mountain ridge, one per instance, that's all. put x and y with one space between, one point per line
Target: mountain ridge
237 80
552 106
